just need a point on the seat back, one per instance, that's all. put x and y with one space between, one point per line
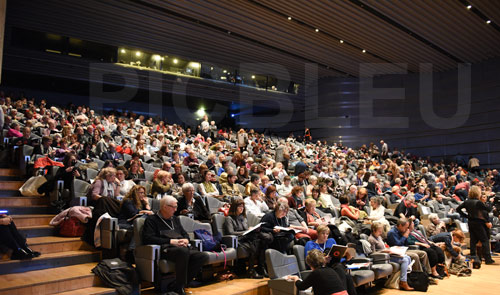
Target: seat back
214 205
280 265
218 221
421 228
138 224
240 188
80 188
299 252
190 226
127 157
252 219
149 175
91 173
100 163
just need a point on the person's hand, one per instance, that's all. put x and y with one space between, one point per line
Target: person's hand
292 278
407 233
184 212
488 224
426 245
6 220
69 169
276 230
76 173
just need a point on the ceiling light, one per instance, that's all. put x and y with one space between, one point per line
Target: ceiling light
317 30
364 51
488 22
138 53
253 76
224 71
211 68
341 41
469 6
122 51
289 18
175 61
162 58
157 57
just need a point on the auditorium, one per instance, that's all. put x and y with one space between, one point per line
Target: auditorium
249 147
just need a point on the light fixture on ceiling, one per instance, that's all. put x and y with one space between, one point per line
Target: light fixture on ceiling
341 41
211 68
289 18
488 22
253 76
175 61
469 7
157 57
138 53
122 51
317 30
224 71
364 51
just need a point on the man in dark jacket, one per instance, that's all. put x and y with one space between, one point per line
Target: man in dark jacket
166 230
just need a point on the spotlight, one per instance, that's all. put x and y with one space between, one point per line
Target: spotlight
469 7
122 51
138 53
175 61
200 112
488 22
289 18
224 71
317 30
232 115
157 57
253 76
341 41
364 51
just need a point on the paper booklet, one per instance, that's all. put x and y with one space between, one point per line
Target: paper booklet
252 229
398 250
285 229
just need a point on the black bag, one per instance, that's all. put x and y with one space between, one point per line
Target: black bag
117 274
418 280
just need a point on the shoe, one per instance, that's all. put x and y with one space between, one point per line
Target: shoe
436 276
20 254
262 271
432 281
491 261
405 286
31 252
255 275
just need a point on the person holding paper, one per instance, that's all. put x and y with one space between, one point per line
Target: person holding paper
378 245
434 252
277 218
252 242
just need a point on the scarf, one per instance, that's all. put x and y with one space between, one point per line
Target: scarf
209 188
108 189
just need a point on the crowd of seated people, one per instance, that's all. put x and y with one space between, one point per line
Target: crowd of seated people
289 183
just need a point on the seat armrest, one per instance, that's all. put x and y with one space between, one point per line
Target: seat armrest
379 256
197 244
151 252
109 223
360 260
231 241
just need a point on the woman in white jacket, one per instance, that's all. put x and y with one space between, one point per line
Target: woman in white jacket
377 213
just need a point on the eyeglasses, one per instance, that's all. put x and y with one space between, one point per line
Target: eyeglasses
172 206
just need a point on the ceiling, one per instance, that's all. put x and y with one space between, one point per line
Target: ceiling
395 34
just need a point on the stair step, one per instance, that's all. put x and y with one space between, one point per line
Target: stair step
23 201
10 193
11 185
53 244
91 291
10 172
69 279
50 260
11 178
34 209
37 231
32 219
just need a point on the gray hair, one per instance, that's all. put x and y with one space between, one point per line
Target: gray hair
167 200
187 186
433 216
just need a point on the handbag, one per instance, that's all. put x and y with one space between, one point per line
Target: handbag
418 280
30 187
71 227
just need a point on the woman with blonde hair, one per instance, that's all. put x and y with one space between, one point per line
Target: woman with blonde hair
134 203
162 183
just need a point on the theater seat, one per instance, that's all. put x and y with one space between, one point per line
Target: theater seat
280 265
147 257
191 225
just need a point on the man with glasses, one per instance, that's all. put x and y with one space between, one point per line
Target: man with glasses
165 229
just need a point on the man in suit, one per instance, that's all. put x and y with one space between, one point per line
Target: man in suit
111 154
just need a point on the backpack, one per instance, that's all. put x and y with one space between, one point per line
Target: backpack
418 280
117 274
209 242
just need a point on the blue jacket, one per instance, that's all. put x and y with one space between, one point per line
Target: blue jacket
395 238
